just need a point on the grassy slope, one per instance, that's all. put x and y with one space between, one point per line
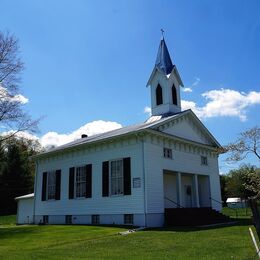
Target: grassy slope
68 242
11 219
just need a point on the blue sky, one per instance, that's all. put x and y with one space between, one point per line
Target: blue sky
90 60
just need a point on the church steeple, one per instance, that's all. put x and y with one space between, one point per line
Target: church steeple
163 60
165 83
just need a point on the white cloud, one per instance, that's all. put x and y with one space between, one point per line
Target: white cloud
21 99
53 139
224 102
5 95
194 84
187 90
92 128
148 110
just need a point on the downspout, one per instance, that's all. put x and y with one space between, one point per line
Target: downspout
35 186
144 175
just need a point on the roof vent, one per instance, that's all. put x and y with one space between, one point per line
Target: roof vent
84 136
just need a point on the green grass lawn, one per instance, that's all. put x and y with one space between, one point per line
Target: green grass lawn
92 242
8 220
239 213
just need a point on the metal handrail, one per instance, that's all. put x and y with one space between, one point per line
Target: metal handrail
177 204
221 202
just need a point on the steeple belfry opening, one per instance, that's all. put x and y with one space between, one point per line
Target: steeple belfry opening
165 83
159 95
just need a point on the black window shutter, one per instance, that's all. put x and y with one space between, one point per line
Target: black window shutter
88 181
57 188
71 183
105 179
127 176
44 185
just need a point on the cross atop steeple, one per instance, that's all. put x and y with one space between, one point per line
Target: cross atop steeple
162 33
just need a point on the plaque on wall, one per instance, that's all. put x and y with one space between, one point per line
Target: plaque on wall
136 182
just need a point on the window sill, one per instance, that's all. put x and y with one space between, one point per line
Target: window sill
80 198
116 195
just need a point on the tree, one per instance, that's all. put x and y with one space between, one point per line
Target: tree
247 143
223 187
238 181
245 183
12 117
17 173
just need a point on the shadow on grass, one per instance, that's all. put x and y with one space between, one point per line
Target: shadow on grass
17 231
238 222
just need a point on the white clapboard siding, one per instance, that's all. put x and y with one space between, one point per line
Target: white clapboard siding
96 204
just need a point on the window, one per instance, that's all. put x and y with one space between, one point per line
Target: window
204 160
129 219
159 96
95 219
80 182
45 219
116 176
51 185
68 219
167 153
174 95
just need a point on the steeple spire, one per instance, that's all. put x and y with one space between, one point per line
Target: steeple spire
163 60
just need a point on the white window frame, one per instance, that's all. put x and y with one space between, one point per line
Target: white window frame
51 187
167 153
81 193
120 179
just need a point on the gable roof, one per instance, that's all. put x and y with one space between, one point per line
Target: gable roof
151 124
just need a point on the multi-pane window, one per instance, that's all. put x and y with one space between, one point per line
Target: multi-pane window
128 219
51 185
204 160
68 219
117 187
167 153
80 182
95 219
45 219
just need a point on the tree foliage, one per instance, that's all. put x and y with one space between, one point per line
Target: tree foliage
16 171
12 116
242 183
247 143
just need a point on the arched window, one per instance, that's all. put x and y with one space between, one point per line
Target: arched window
174 95
159 97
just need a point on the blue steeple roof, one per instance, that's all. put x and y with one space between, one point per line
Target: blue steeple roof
163 60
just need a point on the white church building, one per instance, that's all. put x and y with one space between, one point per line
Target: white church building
131 175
